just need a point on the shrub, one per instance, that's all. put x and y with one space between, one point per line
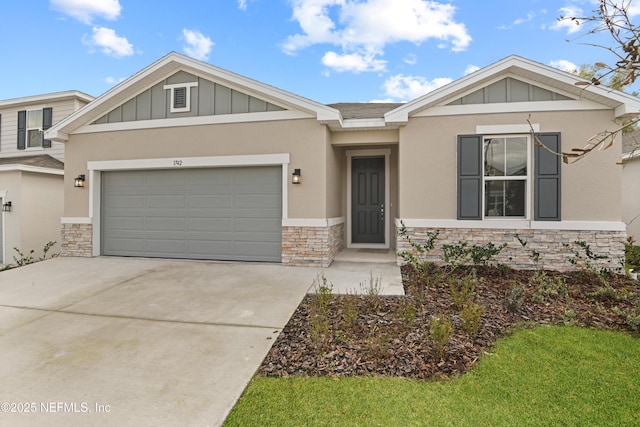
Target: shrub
515 297
440 331
546 287
471 314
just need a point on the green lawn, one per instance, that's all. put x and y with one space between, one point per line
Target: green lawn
544 376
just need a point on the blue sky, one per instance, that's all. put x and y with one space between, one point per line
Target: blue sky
326 50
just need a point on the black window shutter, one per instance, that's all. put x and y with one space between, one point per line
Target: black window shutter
47 116
547 177
22 129
469 177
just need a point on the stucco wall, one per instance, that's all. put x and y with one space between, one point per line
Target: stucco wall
305 140
427 164
631 197
42 203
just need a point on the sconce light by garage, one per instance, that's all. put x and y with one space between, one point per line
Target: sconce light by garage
6 207
79 181
296 177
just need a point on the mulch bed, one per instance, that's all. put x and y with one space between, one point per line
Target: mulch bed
349 335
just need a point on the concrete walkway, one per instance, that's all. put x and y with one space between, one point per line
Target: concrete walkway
126 341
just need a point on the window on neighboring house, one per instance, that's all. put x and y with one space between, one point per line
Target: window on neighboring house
496 175
31 127
34 129
505 176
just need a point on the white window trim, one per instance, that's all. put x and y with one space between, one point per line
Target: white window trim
172 88
387 197
528 180
96 168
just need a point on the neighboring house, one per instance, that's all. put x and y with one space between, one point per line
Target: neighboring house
631 183
187 160
31 171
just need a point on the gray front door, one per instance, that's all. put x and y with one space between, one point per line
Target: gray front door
367 200
230 213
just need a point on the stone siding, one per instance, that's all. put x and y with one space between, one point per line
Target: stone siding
311 246
550 244
77 240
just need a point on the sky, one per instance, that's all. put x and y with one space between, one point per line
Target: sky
325 50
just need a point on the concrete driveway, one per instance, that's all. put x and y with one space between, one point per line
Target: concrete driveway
119 341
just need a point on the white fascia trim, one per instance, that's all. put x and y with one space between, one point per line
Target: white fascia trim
190 162
312 222
363 123
34 169
268 116
46 98
510 107
515 224
75 220
503 129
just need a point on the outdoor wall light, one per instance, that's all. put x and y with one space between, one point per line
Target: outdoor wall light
79 181
6 207
295 177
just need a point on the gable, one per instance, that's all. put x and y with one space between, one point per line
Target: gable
509 90
206 98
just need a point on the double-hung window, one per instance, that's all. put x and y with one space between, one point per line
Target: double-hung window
506 176
31 127
34 129
497 175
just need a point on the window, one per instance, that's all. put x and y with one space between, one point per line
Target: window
497 175
31 127
34 129
505 176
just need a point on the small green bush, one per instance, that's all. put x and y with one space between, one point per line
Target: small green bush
440 331
471 314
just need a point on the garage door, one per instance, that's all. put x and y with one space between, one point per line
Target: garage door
217 214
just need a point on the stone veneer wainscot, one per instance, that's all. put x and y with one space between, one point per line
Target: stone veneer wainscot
549 243
77 240
311 246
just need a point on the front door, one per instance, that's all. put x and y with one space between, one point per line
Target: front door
367 200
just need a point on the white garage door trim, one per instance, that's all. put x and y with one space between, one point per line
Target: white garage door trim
96 167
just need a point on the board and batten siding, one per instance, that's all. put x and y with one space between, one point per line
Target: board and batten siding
207 98
9 128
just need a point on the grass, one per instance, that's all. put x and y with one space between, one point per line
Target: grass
535 377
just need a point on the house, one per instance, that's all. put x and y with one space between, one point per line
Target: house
631 183
31 171
187 160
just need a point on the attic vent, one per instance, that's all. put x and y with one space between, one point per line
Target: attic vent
180 96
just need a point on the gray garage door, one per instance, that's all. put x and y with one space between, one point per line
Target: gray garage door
218 214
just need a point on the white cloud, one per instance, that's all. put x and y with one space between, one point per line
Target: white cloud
411 59
564 65
110 43
113 80
410 87
242 4
353 62
530 16
569 25
470 69
197 44
86 10
364 27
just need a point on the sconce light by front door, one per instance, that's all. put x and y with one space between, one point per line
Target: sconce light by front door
79 181
6 207
295 177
